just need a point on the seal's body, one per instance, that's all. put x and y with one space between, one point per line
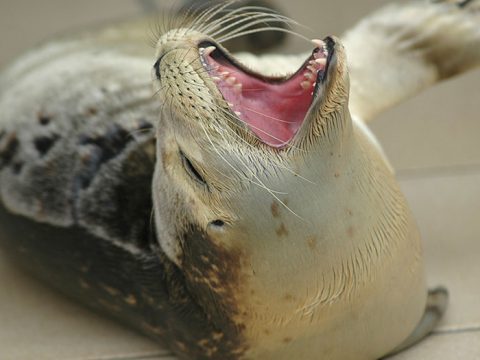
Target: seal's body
228 214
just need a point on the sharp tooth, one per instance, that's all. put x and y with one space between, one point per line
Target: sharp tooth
238 113
305 85
229 104
318 43
311 68
321 61
201 50
209 50
308 75
216 78
238 88
231 80
225 73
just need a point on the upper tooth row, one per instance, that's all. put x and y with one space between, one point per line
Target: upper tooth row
225 75
320 44
207 51
230 80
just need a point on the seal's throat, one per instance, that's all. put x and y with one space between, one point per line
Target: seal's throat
273 108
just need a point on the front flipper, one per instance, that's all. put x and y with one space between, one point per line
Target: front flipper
404 48
436 306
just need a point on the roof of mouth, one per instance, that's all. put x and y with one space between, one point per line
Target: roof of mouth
273 108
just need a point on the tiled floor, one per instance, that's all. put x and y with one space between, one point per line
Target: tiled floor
433 141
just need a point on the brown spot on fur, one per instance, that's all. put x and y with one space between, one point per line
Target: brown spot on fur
149 300
43 119
351 232
8 149
152 329
92 111
110 290
203 342
282 230
217 336
181 346
275 210
289 297
287 340
109 306
337 175
221 279
349 212
312 243
131 300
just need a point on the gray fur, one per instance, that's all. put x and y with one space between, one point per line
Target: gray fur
76 120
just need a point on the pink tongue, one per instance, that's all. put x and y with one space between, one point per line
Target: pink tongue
273 111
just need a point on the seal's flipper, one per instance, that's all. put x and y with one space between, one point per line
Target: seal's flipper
437 302
404 48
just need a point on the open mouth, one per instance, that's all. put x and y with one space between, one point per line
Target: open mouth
273 108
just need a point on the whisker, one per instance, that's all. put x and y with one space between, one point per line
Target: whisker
256 128
260 19
244 12
264 29
275 163
227 162
208 14
268 116
233 14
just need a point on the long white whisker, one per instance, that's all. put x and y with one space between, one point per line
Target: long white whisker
275 163
268 116
263 29
261 19
228 163
246 11
209 14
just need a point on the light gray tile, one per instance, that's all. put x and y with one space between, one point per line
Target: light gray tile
447 210
456 346
25 23
438 128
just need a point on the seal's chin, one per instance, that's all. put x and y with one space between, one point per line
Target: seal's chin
273 108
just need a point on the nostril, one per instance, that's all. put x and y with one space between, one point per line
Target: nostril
218 223
157 68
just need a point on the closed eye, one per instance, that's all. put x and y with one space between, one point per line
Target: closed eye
191 170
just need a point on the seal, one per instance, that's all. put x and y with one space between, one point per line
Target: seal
234 213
